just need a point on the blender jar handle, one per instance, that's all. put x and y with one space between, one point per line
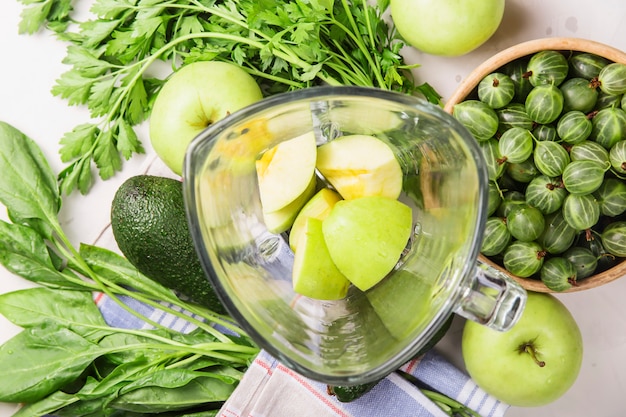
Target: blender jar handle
491 298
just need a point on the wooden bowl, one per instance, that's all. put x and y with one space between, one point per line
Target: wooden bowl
468 87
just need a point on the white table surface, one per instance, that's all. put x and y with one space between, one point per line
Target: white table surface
31 64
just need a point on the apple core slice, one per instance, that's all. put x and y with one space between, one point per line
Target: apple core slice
314 273
285 170
319 207
366 237
360 166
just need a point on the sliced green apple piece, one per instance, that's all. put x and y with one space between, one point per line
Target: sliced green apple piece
378 121
360 166
281 220
314 273
285 170
366 237
318 206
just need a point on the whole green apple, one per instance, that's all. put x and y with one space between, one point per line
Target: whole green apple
195 96
532 364
446 27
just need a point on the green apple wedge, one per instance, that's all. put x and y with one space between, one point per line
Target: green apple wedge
285 171
359 166
402 302
314 273
194 97
319 207
366 237
378 122
281 220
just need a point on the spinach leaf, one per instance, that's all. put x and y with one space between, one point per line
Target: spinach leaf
120 376
29 188
68 361
207 413
38 361
24 252
119 270
34 307
47 405
173 389
116 339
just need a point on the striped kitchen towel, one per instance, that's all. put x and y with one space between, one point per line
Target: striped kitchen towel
270 389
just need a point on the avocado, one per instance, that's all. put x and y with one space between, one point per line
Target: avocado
149 223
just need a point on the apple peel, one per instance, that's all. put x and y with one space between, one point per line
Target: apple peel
314 274
366 237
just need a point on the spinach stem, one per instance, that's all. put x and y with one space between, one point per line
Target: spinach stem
241 354
448 405
112 290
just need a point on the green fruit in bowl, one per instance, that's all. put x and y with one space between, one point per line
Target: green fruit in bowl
194 97
535 362
446 27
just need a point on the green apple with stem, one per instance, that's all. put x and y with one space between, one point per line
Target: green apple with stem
359 166
532 364
318 207
314 273
285 170
446 27
366 237
194 97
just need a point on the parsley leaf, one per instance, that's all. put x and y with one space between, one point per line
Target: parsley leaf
285 45
53 14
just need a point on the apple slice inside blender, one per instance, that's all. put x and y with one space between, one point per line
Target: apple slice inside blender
319 207
284 171
314 273
366 236
359 166
281 220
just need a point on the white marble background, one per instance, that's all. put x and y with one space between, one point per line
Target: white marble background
31 64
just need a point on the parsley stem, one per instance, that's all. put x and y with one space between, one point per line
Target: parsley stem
370 33
359 41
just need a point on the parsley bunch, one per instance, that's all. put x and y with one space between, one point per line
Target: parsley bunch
285 45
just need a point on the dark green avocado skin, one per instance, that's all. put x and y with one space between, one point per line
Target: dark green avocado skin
149 223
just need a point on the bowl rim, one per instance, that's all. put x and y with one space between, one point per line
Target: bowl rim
503 57
527 48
